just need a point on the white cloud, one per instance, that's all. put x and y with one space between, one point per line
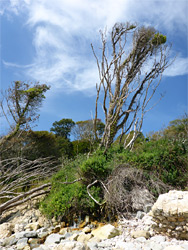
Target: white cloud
13 6
169 15
178 67
63 31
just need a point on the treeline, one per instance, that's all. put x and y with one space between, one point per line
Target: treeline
39 144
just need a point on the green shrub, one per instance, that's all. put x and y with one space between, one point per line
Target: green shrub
162 157
97 166
66 201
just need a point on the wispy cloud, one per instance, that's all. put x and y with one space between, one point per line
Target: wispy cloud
63 30
178 67
15 65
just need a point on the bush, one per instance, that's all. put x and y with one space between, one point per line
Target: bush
94 168
65 146
162 157
68 201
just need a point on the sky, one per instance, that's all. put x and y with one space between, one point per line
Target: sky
50 42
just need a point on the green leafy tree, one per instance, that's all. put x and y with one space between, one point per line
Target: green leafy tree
63 127
41 144
31 145
177 130
19 105
65 147
87 138
21 178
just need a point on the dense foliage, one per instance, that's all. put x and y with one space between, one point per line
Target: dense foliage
69 199
161 159
31 145
63 127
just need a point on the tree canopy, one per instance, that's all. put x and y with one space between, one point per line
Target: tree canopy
63 127
20 103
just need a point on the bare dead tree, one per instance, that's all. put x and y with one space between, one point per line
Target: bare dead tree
129 74
20 180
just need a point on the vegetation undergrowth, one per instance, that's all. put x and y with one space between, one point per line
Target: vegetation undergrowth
160 158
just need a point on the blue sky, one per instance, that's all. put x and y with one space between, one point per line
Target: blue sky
49 41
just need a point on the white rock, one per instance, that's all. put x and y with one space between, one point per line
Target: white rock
125 245
172 203
142 197
20 235
86 230
140 239
18 228
84 237
140 233
94 239
153 245
30 234
140 215
105 232
22 243
147 208
5 230
32 226
92 245
70 246
185 245
158 238
53 239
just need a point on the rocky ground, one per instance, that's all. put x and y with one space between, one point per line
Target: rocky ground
133 234
26 228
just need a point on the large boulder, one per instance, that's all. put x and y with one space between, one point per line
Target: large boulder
170 214
141 198
105 232
53 239
140 233
84 237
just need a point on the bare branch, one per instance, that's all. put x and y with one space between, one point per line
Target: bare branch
18 175
92 184
70 182
124 80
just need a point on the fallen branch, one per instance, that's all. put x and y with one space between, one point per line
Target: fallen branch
71 182
17 175
27 196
